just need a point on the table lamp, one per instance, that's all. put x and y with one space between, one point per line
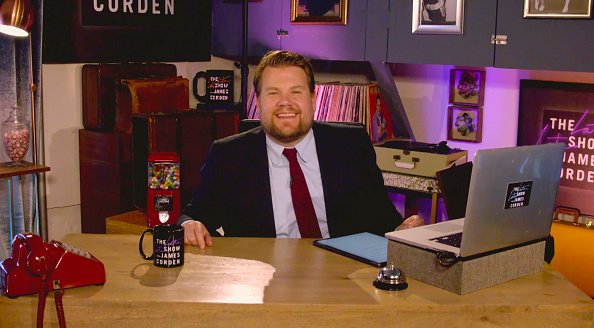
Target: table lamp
16 17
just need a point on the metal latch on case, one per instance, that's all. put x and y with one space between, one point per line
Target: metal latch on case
404 165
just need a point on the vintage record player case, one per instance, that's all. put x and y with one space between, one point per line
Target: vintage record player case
416 158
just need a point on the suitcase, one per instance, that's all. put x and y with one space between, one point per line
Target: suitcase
225 123
416 158
145 96
105 177
98 89
190 134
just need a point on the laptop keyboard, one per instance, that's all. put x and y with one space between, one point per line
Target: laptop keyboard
452 240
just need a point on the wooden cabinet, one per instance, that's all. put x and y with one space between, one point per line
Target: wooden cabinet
328 41
532 43
472 48
269 28
376 34
536 43
105 177
381 31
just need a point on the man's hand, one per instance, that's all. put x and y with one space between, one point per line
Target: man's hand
411 222
195 233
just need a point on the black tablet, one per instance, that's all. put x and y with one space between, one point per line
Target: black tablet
365 247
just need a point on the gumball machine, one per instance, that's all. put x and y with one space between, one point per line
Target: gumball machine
163 194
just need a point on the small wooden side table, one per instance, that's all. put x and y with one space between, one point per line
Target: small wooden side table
6 174
415 183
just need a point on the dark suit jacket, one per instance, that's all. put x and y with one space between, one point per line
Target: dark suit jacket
235 188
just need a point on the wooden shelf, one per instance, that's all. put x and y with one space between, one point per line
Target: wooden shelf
7 171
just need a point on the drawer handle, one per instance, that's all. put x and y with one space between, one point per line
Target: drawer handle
404 165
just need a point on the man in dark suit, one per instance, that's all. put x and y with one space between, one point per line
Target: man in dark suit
436 10
246 180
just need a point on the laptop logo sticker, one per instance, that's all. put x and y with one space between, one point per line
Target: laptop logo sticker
518 194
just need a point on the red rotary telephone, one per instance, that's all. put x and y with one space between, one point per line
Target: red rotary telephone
39 267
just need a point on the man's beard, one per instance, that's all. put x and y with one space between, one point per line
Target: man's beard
285 136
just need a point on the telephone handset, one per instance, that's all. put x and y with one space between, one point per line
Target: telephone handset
61 265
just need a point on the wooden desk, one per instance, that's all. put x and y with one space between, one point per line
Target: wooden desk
258 282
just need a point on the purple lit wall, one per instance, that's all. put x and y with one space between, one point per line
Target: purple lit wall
424 90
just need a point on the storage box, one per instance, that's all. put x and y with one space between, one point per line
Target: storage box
468 275
417 158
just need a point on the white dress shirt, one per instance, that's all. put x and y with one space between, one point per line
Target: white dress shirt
282 204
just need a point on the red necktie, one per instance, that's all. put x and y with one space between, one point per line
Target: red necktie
302 204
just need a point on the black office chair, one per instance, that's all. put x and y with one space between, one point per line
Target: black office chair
248 124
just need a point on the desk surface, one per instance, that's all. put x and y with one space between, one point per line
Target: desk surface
255 282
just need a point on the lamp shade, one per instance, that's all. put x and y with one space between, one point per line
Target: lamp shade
16 17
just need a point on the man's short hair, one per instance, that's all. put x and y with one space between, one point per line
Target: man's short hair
283 58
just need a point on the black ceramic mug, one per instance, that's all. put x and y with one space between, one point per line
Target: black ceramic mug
168 245
218 86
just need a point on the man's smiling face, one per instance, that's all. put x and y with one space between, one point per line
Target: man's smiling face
285 104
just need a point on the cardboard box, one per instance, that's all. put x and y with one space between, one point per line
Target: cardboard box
469 275
416 158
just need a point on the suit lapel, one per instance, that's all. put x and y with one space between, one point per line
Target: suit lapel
263 216
326 159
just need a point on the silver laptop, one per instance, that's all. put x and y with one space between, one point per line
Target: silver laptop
511 200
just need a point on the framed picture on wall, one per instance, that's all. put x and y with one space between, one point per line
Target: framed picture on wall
465 123
319 11
557 8
467 87
438 16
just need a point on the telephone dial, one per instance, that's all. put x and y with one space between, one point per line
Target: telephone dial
40 267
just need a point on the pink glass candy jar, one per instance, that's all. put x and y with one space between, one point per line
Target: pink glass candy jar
15 136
